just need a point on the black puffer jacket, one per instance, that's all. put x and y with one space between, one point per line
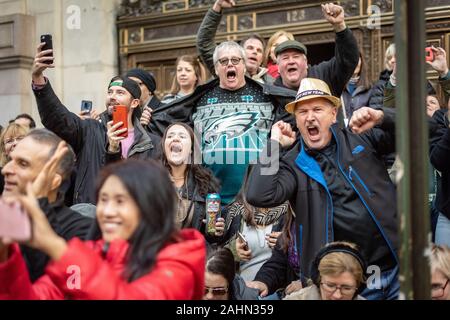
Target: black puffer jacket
299 179
88 139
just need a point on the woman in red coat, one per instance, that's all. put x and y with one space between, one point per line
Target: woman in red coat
141 254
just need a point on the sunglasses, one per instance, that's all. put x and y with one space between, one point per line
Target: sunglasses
216 291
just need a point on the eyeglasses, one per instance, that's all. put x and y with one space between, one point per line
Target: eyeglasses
331 288
437 290
12 140
220 291
234 61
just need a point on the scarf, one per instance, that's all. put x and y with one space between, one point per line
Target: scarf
262 217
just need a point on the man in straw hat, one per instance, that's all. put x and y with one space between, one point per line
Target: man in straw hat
336 183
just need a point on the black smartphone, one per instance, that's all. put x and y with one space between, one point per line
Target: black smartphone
86 107
48 40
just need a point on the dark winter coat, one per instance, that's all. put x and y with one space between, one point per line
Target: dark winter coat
299 179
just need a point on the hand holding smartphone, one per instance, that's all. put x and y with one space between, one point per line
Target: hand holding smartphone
86 107
14 222
242 238
120 114
48 40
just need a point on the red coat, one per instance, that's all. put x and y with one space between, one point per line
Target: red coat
177 275
273 69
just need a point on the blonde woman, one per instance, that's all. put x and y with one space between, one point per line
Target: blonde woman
440 273
270 61
337 273
9 138
11 135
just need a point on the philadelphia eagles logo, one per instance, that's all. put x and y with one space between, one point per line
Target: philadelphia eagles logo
231 126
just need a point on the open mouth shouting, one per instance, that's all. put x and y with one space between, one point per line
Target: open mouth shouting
177 154
231 75
231 71
313 133
292 70
176 148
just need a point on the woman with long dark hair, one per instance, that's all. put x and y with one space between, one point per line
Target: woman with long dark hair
141 251
192 182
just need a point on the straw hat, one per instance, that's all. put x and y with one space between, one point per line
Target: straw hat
311 88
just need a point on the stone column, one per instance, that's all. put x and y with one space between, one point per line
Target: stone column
85 50
16 58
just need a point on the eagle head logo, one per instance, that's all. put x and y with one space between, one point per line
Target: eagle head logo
232 126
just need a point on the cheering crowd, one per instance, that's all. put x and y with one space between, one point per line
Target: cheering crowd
103 206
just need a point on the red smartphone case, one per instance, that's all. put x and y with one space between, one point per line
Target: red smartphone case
120 114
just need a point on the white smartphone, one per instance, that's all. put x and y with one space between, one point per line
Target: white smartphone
242 237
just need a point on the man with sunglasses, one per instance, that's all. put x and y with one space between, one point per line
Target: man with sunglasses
233 114
252 44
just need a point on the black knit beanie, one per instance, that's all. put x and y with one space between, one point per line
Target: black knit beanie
146 77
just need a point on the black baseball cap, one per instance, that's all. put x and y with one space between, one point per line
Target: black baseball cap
131 86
